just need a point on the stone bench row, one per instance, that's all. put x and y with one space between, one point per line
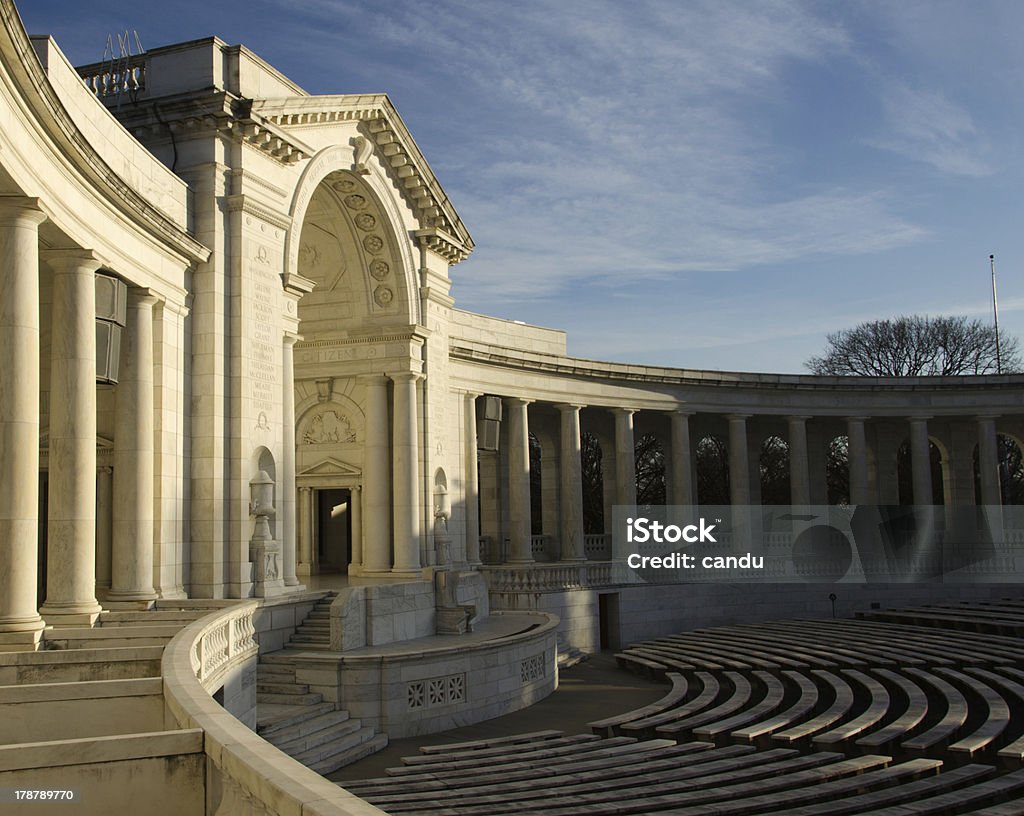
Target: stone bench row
955 714
688 779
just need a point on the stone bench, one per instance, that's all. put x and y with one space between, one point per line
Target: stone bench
996 719
512 749
710 689
943 732
472 745
983 794
807 701
676 695
911 716
738 699
842 696
774 693
873 786
876 710
645 667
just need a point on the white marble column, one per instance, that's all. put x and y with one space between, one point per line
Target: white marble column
71 535
921 461
739 479
287 488
799 469
857 460
571 484
406 473
20 624
471 481
683 493
132 552
305 532
625 458
355 504
376 477
519 481
739 468
988 461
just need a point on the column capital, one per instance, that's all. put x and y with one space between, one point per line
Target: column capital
916 419
737 417
142 296
470 393
21 211
987 417
406 376
71 260
857 418
799 417
569 406
680 412
524 401
290 339
619 410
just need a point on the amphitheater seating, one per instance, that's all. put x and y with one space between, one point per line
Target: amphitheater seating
916 711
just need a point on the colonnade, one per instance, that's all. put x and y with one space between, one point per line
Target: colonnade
873 441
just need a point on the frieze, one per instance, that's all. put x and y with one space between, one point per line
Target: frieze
328 427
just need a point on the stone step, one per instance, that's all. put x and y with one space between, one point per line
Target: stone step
155 617
275 674
309 646
309 698
330 731
331 749
371 746
316 625
285 732
296 715
270 687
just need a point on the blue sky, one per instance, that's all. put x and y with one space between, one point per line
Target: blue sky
701 184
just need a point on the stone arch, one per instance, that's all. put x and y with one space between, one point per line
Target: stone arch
712 457
376 236
773 470
837 469
649 455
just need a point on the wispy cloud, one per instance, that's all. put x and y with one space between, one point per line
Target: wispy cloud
925 126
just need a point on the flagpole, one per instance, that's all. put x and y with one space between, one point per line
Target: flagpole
995 314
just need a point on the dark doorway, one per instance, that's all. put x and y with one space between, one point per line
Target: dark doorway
334 530
608 617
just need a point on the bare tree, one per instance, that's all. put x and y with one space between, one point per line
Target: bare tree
917 346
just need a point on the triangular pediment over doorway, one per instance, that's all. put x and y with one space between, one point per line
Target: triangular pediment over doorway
329 467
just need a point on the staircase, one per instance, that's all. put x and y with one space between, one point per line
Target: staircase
315 631
297 720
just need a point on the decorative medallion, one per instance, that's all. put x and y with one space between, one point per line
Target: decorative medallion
355 202
309 255
345 186
365 222
379 269
373 243
383 296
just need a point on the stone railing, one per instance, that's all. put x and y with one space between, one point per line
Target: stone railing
246 776
124 76
597 546
556 577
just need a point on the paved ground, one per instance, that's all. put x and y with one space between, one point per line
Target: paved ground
591 690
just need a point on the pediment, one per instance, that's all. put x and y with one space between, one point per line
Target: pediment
386 134
329 467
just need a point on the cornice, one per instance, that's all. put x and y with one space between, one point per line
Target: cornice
398 152
53 118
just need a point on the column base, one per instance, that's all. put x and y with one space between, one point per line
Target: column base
291 581
70 615
415 573
26 640
123 604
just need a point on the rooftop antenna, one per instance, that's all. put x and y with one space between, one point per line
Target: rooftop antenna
995 314
120 73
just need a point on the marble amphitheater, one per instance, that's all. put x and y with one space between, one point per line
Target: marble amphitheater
268 499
